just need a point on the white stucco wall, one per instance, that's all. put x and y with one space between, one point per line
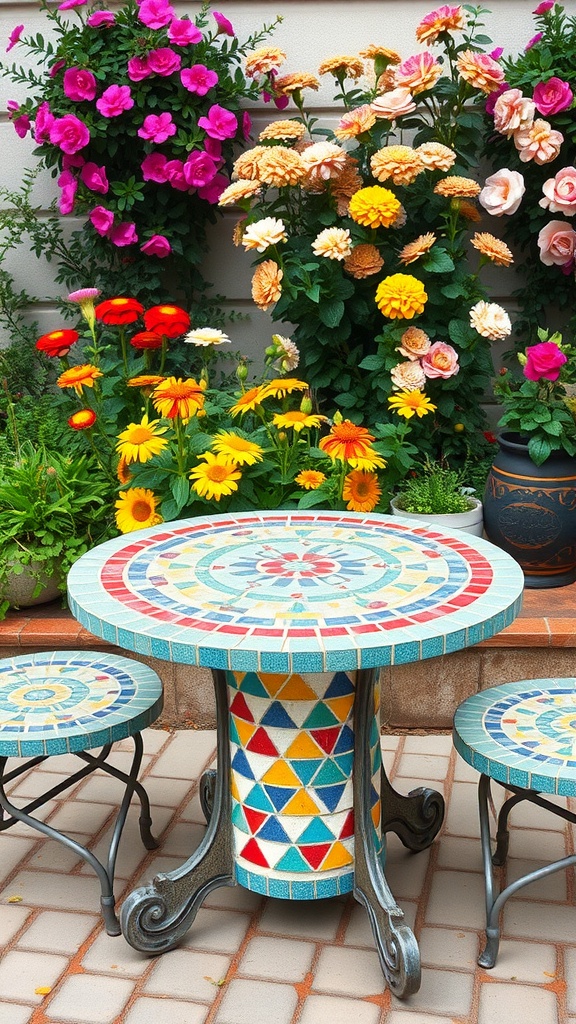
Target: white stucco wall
311 31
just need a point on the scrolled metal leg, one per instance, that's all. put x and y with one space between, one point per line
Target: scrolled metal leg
416 819
206 792
396 945
155 917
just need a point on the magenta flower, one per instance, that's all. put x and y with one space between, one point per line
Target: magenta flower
545 6
14 37
138 69
213 190
182 32
164 61
84 295
69 133
532 42
157 128
115 100
544 361
67 182
223 24
198 79
123 234
69 4
552 96
280 102
56 67
199 169
101 219
94 178
79 84
246 124
12 106
220 123
72 160
214 149
158 245
99 18
154 168
493 96
496 53
175 175
156 13
43 122
22 125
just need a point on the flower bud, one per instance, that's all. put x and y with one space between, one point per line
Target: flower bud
522 359
241 371
306 405
337 417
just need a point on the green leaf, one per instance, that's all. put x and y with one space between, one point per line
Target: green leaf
539 449
331 312
373 362
438 262
180 491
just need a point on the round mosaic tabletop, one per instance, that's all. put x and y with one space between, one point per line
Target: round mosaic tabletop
295 591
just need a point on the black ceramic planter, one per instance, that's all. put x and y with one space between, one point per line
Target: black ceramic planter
530 512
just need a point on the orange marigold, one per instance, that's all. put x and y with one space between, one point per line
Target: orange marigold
266 284
263 60
470 212
345 185
374 52
283 130
414 250
342 65
238 190
246 166
355 122
435 156
281 166
401 163
456 185
494 248
363 261
295 82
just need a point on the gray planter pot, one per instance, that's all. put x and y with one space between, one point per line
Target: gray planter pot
19 589
471 521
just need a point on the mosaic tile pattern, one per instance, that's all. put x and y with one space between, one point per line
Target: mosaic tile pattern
295 592
63 701
523 733
292 754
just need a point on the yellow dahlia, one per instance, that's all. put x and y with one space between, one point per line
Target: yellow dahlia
361 491
177 397
346 441
280 166
410 403
363 261
494 248
342 65
216 477
283 130
310 479
136 509
401 297
140 442
266 284
79 377
296 420
456 185
419 247
244 188
401 163
374 207
237 449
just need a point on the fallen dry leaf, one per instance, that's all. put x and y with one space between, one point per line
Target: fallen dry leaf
15 899
42 990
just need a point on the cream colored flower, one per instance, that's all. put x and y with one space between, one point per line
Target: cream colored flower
205 336
280 166
350 66
502 192
494 248
266 284
246 166
414 343
355 122
456 185
435 156
263 233
401 163
419 247
540 142
288 354
333 243
408 376
323 160
237 190
263 60
490 320
363 261
393 104
283 130
299 80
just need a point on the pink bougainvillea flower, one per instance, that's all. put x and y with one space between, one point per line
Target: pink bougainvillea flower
67 182
532 42
22 125
12 106
175 175
94 178
68 5
164 61
223 24
246 124
496 53
138 69
115 100
182 32
43 123
220 123
14 37
82 295
101 220
72 160
552 96
198 79
154 168
69 133
156 13
545 6
158 245
199 169
123 234
79 84
544 361
101 18
157 128
213 190
214 149
56 67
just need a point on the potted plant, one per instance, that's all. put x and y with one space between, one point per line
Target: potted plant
436 495
530 499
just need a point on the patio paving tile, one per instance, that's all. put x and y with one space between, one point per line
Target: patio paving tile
89 999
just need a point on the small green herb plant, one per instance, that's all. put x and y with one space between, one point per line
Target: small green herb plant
435 490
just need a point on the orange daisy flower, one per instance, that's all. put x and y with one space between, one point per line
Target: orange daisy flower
79 377
176 397
346 441
310 479
361 491
248 402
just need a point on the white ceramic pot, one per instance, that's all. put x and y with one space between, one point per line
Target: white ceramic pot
471 521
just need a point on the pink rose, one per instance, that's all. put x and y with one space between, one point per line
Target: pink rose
158 245
69 133
99 18
557 243
43 123
157 128
56 67
101 219
22 125
512 110
175 175
154 168
199 169
115 100
502 192
123 234
441 360
246 124
164 61
552 96
183 32
219 124
393 104
544 7
14 37
79 84
224 25
544 360
156 13
214 149
138 69
94 178
560 192
68 5
213 190
72 160
67 182
198 79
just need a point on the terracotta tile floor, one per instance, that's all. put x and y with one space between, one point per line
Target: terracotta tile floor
249 960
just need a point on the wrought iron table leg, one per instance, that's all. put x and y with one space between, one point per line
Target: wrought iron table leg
396 945
416 819
156 916
207 790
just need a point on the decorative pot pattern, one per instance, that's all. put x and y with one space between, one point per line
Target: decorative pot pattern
530 512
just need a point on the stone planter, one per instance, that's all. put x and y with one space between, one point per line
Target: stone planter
20 588
470 522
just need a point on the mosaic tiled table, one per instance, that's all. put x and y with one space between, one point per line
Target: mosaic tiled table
295 613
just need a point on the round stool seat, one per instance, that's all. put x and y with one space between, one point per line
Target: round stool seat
522 733
62 702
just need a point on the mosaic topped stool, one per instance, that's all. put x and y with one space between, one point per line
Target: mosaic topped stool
69 702
523 736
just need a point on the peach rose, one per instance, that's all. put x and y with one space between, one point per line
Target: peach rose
414 343
538 142
512 110
557 243
441 360
502 192
560 192
393 104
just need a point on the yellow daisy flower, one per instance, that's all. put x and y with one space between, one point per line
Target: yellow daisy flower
136 508
141 441
215 477
239 449
295 419
280 387
408 403
249 401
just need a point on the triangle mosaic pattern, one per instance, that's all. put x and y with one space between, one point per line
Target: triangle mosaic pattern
292 754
